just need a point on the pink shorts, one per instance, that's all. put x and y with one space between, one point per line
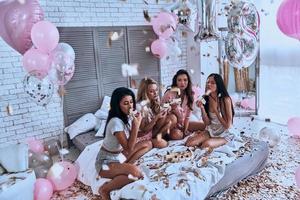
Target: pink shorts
145 137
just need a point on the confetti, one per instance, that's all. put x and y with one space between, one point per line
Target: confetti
146 16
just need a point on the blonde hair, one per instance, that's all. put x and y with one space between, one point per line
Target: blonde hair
142 94
143 89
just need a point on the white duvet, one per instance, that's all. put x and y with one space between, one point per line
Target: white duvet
175 172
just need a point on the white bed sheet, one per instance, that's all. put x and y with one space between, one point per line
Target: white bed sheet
185 179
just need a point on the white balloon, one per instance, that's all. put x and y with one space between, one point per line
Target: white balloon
270 136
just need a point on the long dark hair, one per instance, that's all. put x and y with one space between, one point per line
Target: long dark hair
221 92
188 91
115 110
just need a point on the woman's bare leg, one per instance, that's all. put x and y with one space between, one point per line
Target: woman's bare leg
159 125
196 126
159 143
119 174
197 139
176 134
116 183
214 142
140 149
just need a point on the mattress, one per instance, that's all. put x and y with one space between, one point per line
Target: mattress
249 159
85 139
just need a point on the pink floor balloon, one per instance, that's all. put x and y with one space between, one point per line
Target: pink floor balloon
35 145
43 189
62 175
16 21
293 125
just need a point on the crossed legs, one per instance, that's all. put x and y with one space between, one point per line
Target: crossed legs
202 139
118 172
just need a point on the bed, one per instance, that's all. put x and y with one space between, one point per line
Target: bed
193 174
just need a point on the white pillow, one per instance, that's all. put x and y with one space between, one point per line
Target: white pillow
101 127
83 124
14 158
134 90
102 113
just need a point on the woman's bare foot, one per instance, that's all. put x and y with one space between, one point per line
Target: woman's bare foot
104 194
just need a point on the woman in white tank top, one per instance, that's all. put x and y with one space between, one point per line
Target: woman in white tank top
217 116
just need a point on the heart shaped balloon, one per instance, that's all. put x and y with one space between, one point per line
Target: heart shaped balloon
16 21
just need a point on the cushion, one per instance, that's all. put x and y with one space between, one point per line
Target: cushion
83 124
17 186
102 113
14 158
101 127
85 139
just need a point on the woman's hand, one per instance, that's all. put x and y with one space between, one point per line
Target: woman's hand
162 114
137 119
200 104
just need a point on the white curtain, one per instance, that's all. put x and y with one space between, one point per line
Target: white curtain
279 79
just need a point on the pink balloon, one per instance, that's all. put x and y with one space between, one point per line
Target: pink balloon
3 2
297 177
248 103
244 103
293 125
35 145
251 102
34 60
164 24
43 189
62 175
16 21
288 18
45 36
159 48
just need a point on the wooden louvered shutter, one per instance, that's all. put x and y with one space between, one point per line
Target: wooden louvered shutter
138 39
84 84
111 59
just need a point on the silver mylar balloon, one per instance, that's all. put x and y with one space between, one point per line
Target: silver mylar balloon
234 50
207 28
243 17
38 159
39 91
250 49
270 136
41 171
186 13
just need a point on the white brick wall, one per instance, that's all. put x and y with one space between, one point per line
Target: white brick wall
30 120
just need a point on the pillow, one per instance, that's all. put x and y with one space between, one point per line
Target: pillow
14 158
102 113
101 127
134 90
83 124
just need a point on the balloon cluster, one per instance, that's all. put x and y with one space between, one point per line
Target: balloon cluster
50 176
164 25
46 61
241 45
